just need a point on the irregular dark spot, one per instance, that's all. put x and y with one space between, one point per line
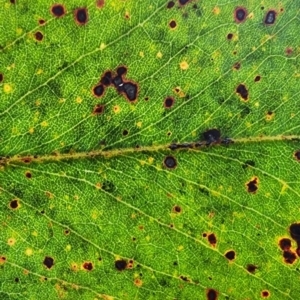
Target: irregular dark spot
170 162
38 36
173 147
100 3
211 294
98 90
120 264
270 17
237 66
107 78
172 24
42 22
42 212
121 71
229 36
28 174
212 135
175 263
67 232
184 2
108 186
88 266
58 10
118 83
251 268
257 78
240 14
252 185
248 163
212 239
285 244
1 77
169 102
295 232
265 294
130 90
230 255
48 262
17 279
125 132
177 209
81 16
184 278
146 98
289 257
13 1
14 204
170 4
98 109
297 155
242 91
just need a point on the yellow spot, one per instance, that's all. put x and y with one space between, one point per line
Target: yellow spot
248 124
74 266
28 251
14 130
34 233
133 216
61 100
147 238
19 31
142 54
180 248
150 160
256 104
179 92
98 185
11 241
44 124
216 10
94 215
270 116
78 100
184 65
38 103
102 46
39 71
68 247
117 109
251 15
142 162
139 124
11 67
283 189
138 282
159 54
31 130
7 88
127 14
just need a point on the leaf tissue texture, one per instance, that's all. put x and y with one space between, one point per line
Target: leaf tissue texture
149 149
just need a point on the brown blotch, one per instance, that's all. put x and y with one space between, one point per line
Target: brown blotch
252 185
289 257
251 268
237 66
48 262
265 294
212 239
242 91
297 155
230 255
100 3
257 78
39 36
204 234
172 24
177 209
28 174
14 204
58 10
98 109
285 244
120 264
211 294
88 266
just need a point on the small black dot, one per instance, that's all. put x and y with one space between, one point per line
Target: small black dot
48 262
58 10
121 264
28 174
251 268
240 14
17 279
170 4
170 162
81 16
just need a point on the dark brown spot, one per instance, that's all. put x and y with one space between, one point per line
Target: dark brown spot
237 66
184 278
285 244
289 257
169 102
229 36
252 185
257 78
88 266
121 264
297 155
184 2
146 98
172 24
28 174
230 255
121 71
26 160
211 294
14 204
242 91
48 262
81 16
57 10
13 1
17 279
289 51
2 259
170 4
42 22
251 268
176 209
212 135
125 132
98 109
98 90
100 3
212 239
204 234
270 17
265 294
67 232
107 78
39 36
131 91
295 232
240 14
170 162
1 77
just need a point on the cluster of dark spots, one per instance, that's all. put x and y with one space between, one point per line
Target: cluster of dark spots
100 3
289 257
240 14
237 66
184 278
169 102
57 10
257 78
211 136
81 16
265 294
14 204
42 22
177 209
172 24
230 255
39 36
229 36
248 163
251 268
48 262
120 264
98 90
28 174
252 185
170 4
211 294
125 132
270 17
130 264
242 91
88 266
297 155
170 162
1 77
98 109
212 239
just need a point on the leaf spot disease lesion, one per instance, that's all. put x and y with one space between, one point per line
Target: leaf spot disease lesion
121 264
100 3
170 4
39 36
14 204
169 102
28 174
176 209
1 77
240 14
170 162
257 78
251 268
230 255
48 262
98 109
212 239
297 155
252 185
211 294
138 282
242 91
87 266
270 17
172 24
58 10
265 294
81 16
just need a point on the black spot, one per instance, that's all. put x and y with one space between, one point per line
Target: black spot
17 279
242 91
146 98
58 10
170 162
107 78
48 262
120 264
172 24
67 232
81 16
212 239
295 232
108 186
121 71
240 14
229 36
170 4
248 163
184 278
98 90
270 17
169 102
88 266
230 255
130 90
98 109
285 244
14 204
212 135
1 77
177 209
297 155
252 186
125 132
289 257
13 1
118 83
39 36
28 174
175 263
251 268
184 2
257 78
42 22
237 66
211 294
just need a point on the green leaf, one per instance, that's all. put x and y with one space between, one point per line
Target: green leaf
177 178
